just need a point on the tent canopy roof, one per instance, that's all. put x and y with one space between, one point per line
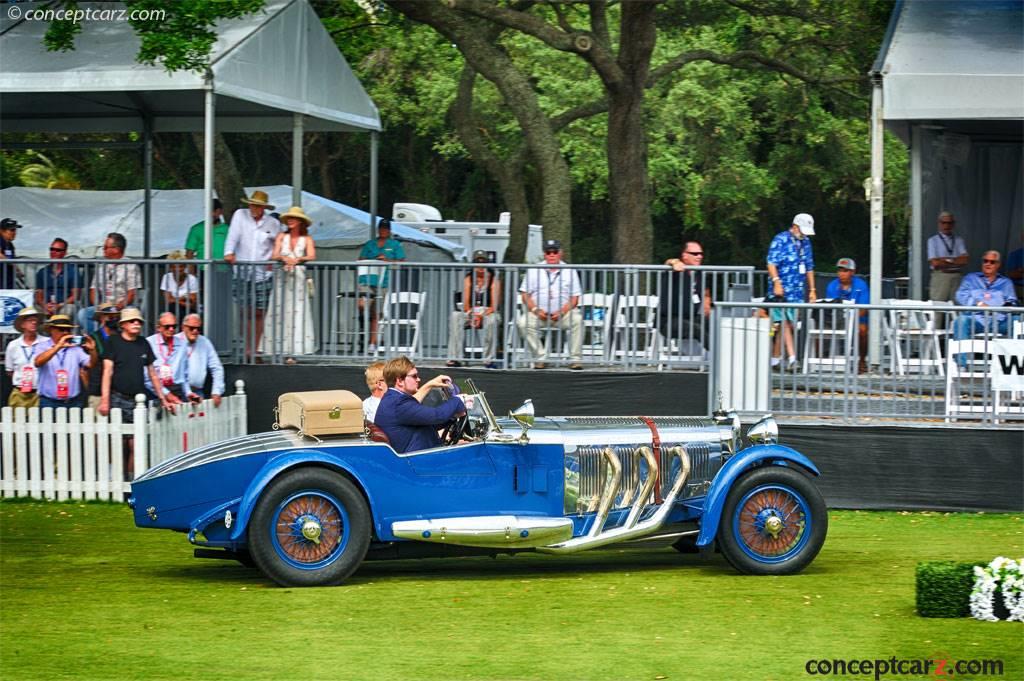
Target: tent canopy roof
954 59
84 218
263 68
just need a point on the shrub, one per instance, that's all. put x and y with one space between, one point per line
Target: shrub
943 588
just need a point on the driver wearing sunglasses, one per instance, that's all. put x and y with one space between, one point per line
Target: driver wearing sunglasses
409 425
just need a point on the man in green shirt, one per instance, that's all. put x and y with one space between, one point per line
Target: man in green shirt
194 244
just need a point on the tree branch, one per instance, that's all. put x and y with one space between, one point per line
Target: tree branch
737 59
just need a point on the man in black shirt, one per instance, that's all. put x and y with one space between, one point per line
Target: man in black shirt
107 315
125 358
685 302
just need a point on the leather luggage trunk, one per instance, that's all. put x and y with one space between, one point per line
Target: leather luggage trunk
321 412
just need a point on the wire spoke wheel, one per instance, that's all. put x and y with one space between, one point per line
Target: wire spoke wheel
774 522
310 527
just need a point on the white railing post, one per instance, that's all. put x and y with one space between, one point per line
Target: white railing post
21 452
46 417
240 424
140 430
60 430
76 430
7 451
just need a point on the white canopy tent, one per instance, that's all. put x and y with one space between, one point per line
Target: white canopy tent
84 218
276 70
949 80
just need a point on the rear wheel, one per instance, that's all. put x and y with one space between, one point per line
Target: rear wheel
774 522
311 527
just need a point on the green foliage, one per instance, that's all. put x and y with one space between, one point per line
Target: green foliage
943 588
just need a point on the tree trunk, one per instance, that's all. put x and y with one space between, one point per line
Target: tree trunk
507 172
469 35
628 182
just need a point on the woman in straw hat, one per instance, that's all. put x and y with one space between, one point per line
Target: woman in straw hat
289 321
19 359
180 289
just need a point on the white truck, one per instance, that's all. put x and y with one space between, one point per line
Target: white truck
484 236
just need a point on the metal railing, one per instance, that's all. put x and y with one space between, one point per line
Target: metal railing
935 362
628 316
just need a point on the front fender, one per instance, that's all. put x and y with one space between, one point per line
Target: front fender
774 455
275 467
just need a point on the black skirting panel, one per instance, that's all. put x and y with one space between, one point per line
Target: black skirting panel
869 467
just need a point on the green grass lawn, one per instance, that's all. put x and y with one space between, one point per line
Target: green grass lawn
86 595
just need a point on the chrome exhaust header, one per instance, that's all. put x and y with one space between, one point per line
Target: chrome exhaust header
630 529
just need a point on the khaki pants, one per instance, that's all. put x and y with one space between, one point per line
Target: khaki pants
943 285
571 323
20 399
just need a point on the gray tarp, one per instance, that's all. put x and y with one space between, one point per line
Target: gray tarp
84 218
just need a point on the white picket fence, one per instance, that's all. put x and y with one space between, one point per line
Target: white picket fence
78 454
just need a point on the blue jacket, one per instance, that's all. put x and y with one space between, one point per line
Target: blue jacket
409 425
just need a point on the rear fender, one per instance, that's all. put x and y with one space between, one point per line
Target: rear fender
771 455
274 468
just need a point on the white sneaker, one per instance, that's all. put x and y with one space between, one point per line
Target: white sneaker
372 349
776 361
791 364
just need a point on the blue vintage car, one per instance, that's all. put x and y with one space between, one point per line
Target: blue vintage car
308 510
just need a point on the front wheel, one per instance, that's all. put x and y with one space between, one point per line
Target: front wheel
774 522
311 527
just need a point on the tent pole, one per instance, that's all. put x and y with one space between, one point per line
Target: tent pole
915 270
374 145
877 170
208 131
297 129
147 172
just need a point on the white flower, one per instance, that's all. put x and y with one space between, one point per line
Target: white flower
987 580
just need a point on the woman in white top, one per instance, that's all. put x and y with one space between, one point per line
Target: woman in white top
288 328
180 289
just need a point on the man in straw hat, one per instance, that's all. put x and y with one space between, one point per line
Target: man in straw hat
19 359
63 364
251 239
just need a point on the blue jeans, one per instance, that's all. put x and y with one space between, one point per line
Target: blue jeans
966 325
70 403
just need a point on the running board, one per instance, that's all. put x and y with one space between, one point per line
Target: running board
628 530
493 531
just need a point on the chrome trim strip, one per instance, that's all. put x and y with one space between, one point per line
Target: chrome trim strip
498 531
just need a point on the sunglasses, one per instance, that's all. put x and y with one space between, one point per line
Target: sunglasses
57 250
696 254
988 261
947 222
168 326
414 376
551 252
190 327
133 321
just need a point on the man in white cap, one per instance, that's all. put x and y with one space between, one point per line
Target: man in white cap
19 359
791 266
251 239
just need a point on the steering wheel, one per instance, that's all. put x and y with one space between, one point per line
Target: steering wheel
454 430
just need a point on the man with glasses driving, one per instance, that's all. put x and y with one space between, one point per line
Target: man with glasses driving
59 284
409 425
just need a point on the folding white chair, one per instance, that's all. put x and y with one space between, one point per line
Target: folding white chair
969 380
598 310
839 337
399 326
636 327
910 329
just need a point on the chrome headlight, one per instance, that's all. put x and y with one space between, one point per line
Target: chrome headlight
764 432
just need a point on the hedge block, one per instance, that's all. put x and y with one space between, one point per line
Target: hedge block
943 588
